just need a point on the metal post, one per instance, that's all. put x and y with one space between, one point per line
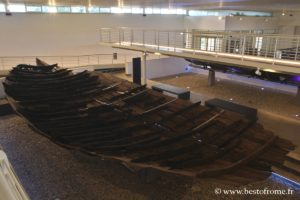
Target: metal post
109 36
275 49
119 35
183 40
168 40
243 47
157 40
296 53
175 41
144 70
143 37
267 47
131 37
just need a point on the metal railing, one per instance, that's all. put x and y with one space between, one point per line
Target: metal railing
273 48
8 62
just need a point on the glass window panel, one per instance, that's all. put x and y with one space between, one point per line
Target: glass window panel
148 11
78 9
2 8
93 9
16 8
156 11
203 45
126 10
211 44
49 9
104 10
180 12
137 10
33 9
116 10
63 9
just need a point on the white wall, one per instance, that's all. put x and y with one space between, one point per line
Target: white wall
162 67
285 24
76 34
204 23
251 23
69 34
288 22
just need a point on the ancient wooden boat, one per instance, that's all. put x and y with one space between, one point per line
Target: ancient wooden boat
103 115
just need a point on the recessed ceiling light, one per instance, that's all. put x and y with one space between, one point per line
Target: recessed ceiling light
231 99
262 88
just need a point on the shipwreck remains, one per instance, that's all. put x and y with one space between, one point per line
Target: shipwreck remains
113 118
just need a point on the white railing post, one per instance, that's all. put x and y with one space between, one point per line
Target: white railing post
296 53
155 38
131 37
143 37
119 36
109 36
168 40
158 40
175 41
243 47
275 49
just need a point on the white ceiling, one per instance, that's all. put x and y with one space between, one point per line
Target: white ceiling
260 5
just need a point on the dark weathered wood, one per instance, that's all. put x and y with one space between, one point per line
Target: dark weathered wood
102 115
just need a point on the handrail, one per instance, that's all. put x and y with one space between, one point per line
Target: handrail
7 62
70 61
269 48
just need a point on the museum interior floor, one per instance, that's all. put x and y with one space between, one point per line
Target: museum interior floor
48 171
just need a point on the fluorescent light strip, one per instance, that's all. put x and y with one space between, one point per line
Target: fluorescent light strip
2 8
133 10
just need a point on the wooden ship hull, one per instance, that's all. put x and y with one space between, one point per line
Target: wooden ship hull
102 115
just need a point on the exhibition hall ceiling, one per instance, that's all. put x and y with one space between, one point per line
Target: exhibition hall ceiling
259 5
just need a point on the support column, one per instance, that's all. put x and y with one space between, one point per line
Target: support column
211 77
144 69
298 96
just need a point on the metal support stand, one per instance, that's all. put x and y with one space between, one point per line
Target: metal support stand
298 96
211 78
144 70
